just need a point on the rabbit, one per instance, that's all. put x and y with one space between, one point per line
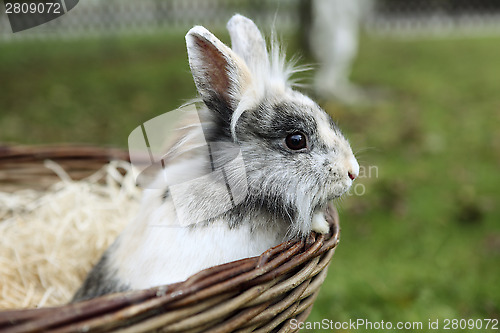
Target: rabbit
282 153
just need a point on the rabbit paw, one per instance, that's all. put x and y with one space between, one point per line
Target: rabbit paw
319 223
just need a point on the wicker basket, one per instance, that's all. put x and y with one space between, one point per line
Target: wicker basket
259 294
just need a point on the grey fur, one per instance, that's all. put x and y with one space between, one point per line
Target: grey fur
99 281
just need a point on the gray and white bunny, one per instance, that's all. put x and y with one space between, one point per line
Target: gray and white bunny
282 153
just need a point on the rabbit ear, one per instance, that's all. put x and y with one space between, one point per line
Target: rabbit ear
248 43
221 77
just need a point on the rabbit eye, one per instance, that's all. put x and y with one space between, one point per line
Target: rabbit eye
296 141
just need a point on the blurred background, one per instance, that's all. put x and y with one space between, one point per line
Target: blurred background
413 84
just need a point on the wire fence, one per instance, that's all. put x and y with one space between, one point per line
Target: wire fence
118 17
387 17
435 17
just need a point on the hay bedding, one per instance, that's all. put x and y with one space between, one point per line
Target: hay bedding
51 239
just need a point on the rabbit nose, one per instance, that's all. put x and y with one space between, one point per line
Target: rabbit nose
353 168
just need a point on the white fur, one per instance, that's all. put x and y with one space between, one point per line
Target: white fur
248 43
271 72
167 253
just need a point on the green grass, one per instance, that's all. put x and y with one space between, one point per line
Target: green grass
95 91
422 243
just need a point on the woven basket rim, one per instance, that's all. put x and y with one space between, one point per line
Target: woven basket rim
283 262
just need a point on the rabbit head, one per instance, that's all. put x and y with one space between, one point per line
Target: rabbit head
296 159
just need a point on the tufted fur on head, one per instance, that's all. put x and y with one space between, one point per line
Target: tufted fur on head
251 71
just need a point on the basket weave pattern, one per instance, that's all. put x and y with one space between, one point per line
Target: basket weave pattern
259 294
